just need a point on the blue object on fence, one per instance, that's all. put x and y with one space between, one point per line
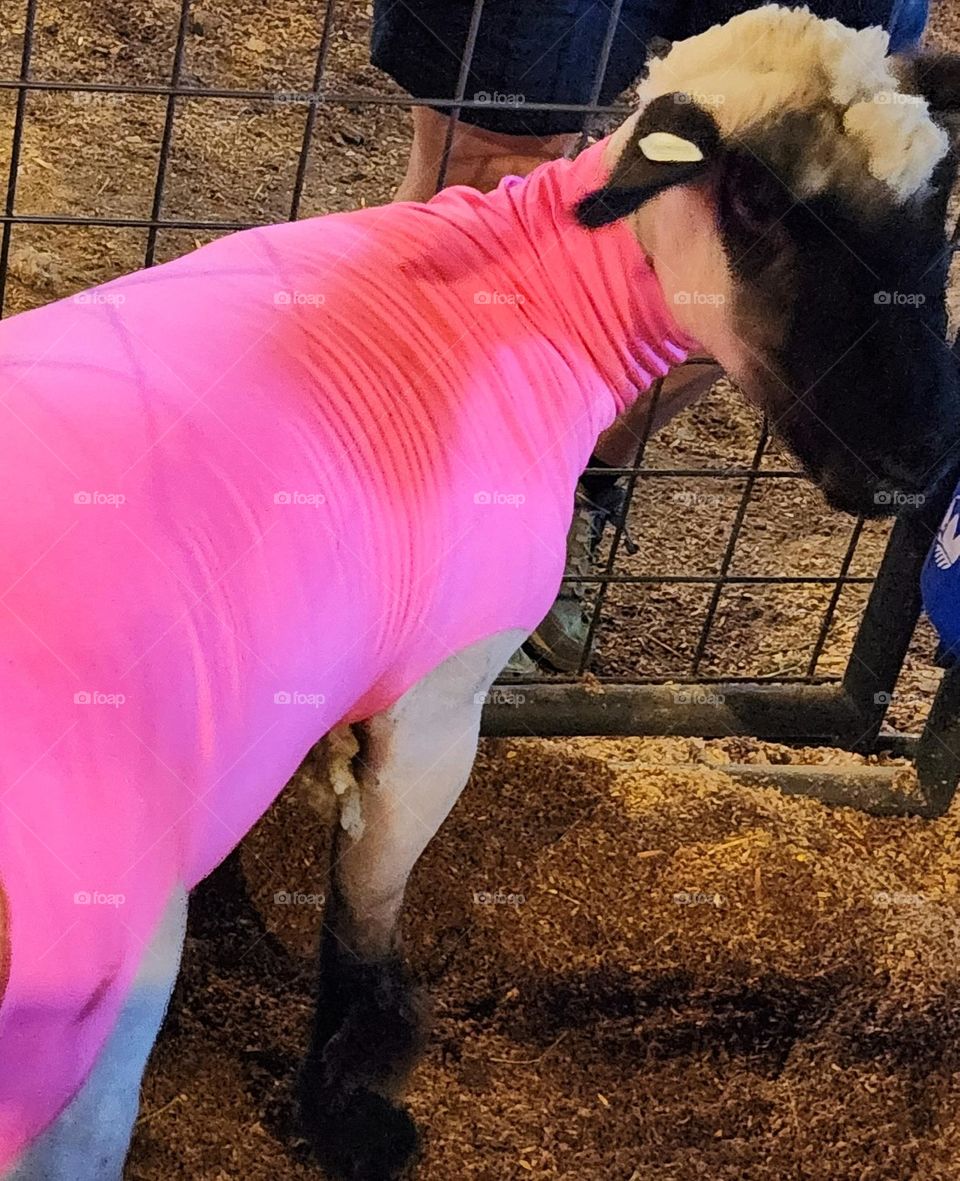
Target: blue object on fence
940 584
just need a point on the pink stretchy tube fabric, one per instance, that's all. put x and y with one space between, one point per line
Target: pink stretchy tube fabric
254 492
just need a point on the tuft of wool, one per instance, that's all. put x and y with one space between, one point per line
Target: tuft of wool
903 143
327 780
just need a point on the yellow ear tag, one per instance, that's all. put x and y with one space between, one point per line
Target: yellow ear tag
666 148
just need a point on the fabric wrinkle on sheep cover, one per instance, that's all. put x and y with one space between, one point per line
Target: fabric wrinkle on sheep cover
252 493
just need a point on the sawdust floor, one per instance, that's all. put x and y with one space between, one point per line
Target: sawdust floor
693 980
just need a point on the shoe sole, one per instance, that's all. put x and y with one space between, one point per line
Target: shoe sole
545 654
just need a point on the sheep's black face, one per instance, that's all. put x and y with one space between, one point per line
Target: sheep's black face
852 366
826 168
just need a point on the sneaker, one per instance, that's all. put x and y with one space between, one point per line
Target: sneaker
520 667
561 639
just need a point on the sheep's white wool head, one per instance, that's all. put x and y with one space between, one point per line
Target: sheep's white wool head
804 175
771 60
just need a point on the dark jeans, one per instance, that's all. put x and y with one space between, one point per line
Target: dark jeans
548 51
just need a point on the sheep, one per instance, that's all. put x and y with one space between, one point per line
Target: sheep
317 478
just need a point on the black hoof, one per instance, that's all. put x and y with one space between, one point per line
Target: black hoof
360 1137
369 1028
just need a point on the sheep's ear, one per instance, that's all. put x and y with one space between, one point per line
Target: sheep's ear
673 142
933 76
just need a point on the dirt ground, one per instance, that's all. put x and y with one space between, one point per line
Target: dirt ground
693 979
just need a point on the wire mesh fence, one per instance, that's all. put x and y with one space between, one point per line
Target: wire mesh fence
132 139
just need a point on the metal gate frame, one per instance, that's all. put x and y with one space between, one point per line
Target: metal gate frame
848 715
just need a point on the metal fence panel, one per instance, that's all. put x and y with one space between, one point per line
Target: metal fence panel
808 705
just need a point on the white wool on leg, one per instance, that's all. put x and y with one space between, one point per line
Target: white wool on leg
416 759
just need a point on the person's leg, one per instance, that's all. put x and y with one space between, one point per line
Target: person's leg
561 638
523 53
478 158
908 23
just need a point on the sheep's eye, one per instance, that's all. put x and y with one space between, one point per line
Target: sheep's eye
750 217
751 205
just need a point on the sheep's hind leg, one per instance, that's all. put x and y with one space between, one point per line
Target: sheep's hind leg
414 761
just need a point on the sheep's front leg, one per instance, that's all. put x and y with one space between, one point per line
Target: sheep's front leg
414 761
90 1138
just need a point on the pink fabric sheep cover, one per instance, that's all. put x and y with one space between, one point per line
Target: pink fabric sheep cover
252 493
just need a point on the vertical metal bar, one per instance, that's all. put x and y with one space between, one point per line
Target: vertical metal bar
727 559
601 73
891 614
29 23
167 139
319 70
938 752
835 598
454 112
619 527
